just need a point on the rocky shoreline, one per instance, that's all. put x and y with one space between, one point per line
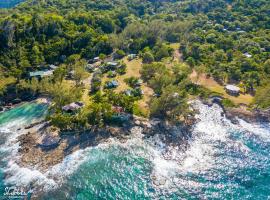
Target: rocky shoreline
43 146
241 112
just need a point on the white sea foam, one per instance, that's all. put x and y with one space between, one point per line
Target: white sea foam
212 130
261 130
22 177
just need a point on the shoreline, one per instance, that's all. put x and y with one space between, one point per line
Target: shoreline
43 146
41 140
240 112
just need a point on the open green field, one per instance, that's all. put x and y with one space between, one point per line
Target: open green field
212 85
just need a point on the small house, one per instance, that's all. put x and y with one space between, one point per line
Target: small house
96 59
241 31
139 82
40 74
132 57
112 64
247 55
118 109
90 67
232 90
112 84
53 67
73 107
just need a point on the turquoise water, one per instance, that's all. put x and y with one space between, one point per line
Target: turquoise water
26 112
10 121
223 161
9 3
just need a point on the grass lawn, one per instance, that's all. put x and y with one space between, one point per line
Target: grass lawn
212 85
133 69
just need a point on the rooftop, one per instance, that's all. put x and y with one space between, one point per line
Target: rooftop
247 55
73 106
112 63
41 73
232 88
53 67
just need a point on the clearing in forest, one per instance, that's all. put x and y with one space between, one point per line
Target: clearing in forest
212 85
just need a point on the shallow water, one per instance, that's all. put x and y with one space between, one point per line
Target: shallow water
10 122
223 161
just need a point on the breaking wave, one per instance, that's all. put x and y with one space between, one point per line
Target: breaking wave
223 160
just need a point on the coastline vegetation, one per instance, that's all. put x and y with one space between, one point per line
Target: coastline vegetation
161 43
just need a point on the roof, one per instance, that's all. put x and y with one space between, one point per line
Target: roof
139 81
132 55
247 55
41 73
118 109
73 106
232 88
53 66
112 83
112 63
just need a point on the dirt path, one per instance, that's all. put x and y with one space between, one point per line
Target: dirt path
87 85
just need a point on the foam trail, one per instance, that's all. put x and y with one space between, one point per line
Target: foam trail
21 176
260 130
211 137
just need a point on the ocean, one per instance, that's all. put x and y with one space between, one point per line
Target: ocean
222 161
9 3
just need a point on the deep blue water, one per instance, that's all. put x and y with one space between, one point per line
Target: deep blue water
223 161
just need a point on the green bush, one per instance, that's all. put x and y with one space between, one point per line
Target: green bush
227 103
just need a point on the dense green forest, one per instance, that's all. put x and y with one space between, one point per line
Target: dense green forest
227 39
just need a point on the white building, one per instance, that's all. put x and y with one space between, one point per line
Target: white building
232 90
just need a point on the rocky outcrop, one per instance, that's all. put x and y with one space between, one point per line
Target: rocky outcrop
242 111
171 134
248 115
43 145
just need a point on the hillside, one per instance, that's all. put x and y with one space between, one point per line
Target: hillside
226 41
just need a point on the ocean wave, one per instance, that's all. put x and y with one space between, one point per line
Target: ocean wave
212 147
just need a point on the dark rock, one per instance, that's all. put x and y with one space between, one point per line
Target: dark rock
35 124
